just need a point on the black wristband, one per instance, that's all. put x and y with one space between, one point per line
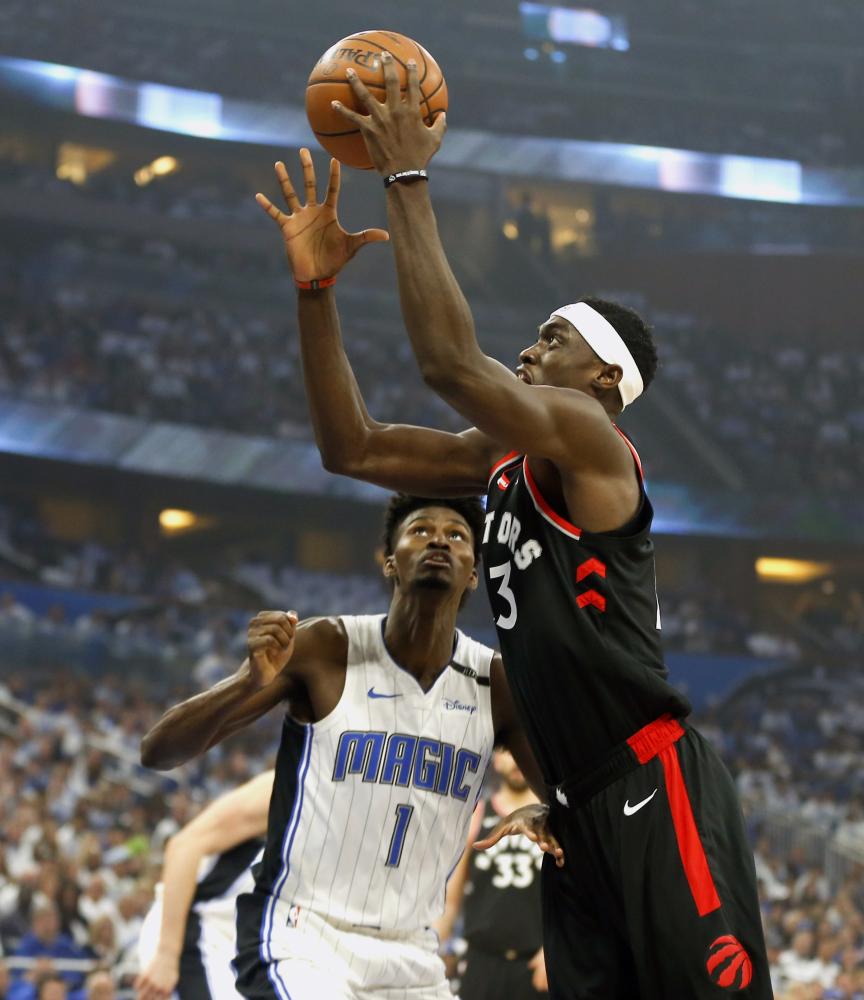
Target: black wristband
403 176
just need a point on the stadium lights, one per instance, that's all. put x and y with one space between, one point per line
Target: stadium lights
172 519
160 167
790 570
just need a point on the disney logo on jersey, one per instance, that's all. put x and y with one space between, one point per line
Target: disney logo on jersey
508 532
454 705
401 759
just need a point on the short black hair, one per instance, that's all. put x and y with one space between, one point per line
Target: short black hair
403 504
633 330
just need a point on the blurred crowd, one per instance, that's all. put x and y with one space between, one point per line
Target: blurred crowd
191 604
222 365
794 745
781 412
82 825
739 99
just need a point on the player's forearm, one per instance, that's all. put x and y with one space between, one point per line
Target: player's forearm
340 420
437 317
179 878
190 728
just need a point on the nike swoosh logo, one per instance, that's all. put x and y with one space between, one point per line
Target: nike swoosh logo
629 810
374 694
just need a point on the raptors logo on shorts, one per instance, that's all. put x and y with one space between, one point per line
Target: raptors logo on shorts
729 964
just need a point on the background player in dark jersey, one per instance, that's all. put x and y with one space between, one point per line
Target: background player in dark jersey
658 899
497 894
189 939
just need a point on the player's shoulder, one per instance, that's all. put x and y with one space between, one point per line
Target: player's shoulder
476 653
324 638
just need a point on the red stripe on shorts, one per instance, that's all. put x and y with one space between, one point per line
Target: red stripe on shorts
689 842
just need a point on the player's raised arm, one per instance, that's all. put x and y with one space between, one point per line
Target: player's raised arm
399 457
227 822
285 660
560 424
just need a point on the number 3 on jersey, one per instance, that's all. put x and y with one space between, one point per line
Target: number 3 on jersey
502 572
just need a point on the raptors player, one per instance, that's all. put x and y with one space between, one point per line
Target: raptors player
658 898
391 723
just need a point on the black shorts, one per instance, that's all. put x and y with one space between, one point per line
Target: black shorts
657 899
493 977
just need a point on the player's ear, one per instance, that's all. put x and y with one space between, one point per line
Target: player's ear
388 567
609 377
474 579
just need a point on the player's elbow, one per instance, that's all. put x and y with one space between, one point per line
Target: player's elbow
155 755
337 462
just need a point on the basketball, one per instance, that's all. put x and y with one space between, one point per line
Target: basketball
362 52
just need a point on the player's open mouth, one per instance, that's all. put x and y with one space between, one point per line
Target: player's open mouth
439 559
521 373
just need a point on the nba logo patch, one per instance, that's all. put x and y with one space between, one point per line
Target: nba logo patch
728 964
294 915
503 481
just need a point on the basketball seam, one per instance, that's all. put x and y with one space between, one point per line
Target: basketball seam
334 135
344 83
422 55
428 97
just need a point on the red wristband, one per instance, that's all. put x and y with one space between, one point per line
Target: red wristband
315 284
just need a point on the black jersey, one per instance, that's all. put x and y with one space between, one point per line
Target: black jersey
502 896
578 623
228 875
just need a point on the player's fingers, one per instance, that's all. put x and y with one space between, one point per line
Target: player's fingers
497 833
391 79
359 120
270 208
281 635
413 84
357 240
333 184
439 126
364 98
308 176
288 192
284 618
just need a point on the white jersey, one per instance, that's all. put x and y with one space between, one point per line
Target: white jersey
371 805
210 938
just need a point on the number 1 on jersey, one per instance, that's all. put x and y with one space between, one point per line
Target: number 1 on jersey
397 841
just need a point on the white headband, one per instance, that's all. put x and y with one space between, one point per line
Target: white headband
607 344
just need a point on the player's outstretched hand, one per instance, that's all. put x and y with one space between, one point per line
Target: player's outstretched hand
394 131
530 821
158 980
316 245
270 641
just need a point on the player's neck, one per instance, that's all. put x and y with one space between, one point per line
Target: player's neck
419 634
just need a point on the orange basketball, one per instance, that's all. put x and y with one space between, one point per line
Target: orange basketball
362 52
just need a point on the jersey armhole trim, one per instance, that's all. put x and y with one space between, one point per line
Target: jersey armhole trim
501 463
633 452
543 508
